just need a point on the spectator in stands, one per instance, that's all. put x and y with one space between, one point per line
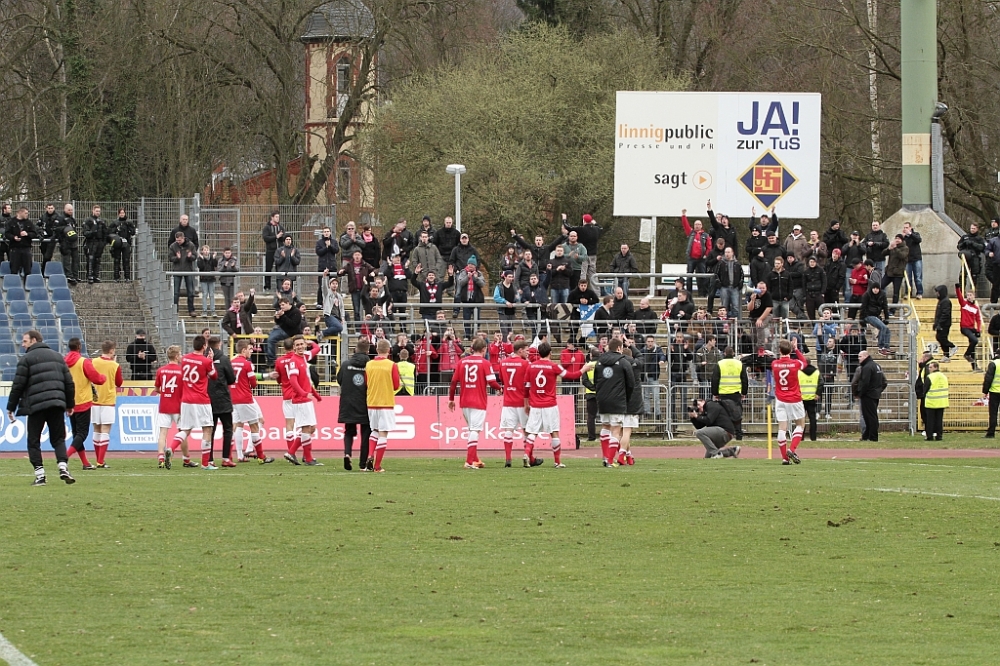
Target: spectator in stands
287 324
121 235
358 273
624 262
5 217
535 293
402 344
350 241
541 253
326 260
827 358
397 280
398 240
859 279
183 254
914 260
603 319
371 251
228 264
588 234
834 237
527 267
992 267
334 316
19 232
756 241
446 238
376 302
287 258
836 276
286 290
95 234
237 321
796 273
682 311
582 295
853 251
207 262
681 359
698 246
706 361
469 286
427 256
576 254
818 249
814 284
141 357
780 288
767 223
652 359
759 308
462 252
425 225
729 278
505 293
509 260
895 268
773 249
875 244
621 307
273 234
184 226
875 311
723 228
759 268
432 291
560 275
645 319
972 246
970 322
797 244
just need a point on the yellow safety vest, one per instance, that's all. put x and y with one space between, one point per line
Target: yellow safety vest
729 376
106 392
937 395
995 386
82 388
808 385
590 376
407 376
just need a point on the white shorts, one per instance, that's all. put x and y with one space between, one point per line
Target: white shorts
512 418
613 419
248 413
382 420
788 411
302 413
630 421
102 414
475 418
543 420
195 416
167 420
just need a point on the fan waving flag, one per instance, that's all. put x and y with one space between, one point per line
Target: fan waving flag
587 314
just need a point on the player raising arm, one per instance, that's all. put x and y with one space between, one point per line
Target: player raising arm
292 372
473 373
543 417
788 398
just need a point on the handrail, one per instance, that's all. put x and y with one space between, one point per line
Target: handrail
909 299
907 308
985 351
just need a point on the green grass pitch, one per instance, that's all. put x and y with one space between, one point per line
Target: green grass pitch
667 562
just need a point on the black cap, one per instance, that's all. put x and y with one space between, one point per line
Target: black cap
140 331
855 233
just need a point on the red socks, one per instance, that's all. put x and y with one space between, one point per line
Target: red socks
784 452
306 441
379 452
259 450
508 447
796 438
83 457
556 451
206 458
612 449
605 440
529 449
175 444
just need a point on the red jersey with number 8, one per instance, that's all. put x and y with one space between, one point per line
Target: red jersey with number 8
196 370
786 377
168 385
472 375
540 381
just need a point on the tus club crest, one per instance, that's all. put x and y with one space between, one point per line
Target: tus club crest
768 179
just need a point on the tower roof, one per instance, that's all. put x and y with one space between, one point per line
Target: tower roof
339 20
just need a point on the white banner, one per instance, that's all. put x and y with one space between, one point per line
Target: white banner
677 150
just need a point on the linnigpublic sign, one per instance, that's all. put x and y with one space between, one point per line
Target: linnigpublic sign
675 150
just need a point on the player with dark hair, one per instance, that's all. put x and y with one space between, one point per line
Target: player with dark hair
353 404
169 387
85 375
788 398
292 372
196 407
615 384
246 411
102 414
473 373
514 413
543 414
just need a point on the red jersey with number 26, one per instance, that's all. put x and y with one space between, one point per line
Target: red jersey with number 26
513 370
246 380
196 370
168 385
540 381
472 374
786 377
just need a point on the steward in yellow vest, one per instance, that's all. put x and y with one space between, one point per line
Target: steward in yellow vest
811 384
407 373
590 397
935 401
991 390
730 382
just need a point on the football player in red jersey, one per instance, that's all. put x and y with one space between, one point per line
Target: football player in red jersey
473 372
543 415
196 407
246 411
788 398
514 414
292 372
169 387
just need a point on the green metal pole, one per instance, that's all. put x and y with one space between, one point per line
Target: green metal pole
919 72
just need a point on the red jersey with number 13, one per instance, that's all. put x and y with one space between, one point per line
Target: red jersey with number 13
786 377
196 370
540 381
513 371
472 374
168 385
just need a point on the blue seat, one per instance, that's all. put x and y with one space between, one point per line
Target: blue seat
72 332
3 308
15 293
41 308
62 294
17 308
7 346
38 294
11 281
21 320
8 360
4 321
34 281
54 268
4 268
50 336
69 319
36 268
8 374
45 320
65 307
57 281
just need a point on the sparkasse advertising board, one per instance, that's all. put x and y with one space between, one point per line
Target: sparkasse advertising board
676 150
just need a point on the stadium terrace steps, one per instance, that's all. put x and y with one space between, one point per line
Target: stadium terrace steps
114 311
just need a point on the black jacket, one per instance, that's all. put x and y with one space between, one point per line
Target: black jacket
290 322
559 272
95 232
622 310
353 390
447 240
779 285
913 242
587 235
755 244
814 280
879 242
835 238
12 233
645 321
142 369
42 382
404 241
188 231
48 226
120 234
624 263
852 253
772 251
218 388
327 255
460 254
719 231
425 294
871 381
874 305
942 313
722 274
614 380
836 274
635 403
270 235
714 414
68 234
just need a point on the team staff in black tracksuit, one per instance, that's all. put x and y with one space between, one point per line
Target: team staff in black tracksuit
354 403
68 238
43 390
48 227
121 234
222 400
18 234
95 234
615 383
871 382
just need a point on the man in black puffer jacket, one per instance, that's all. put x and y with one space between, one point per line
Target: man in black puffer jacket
354 403
942 322
615 382
222 400
43 390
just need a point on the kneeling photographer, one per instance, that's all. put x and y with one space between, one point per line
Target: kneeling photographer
714 428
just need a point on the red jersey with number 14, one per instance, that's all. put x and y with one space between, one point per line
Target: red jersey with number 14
168 385
540 381
786 377
513 372
246 380
196 370
472 374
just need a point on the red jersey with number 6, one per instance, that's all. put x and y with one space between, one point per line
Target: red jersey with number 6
541 381
168 385
246 380
472 374
786 377
513 370
196 370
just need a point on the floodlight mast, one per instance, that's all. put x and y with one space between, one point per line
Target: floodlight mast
457 170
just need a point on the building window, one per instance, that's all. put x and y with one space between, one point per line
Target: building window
343 84
343 181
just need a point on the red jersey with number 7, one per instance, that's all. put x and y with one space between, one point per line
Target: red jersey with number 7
540 381
168 385
472 374
513 371
196 370
246 380
786 377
